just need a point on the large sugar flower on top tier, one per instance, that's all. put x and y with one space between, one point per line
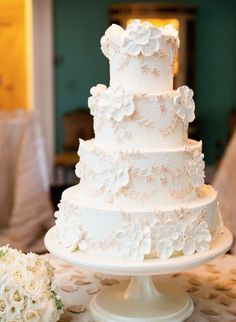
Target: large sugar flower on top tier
111 174
184 104
116 103
196 170
141 38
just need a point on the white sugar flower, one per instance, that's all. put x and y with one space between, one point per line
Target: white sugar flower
95 91
69 231
134 240
116 103
168 238
197 238
170 31
111 40
184 104
196 170
111 175
141 38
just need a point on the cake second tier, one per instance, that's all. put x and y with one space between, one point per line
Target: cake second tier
128 179
123 120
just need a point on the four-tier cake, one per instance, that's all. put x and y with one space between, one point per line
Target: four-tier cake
141 191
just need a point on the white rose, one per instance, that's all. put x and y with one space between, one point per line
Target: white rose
18 274
31 316
34 287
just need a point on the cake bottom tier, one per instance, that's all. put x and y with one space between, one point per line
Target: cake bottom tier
134 234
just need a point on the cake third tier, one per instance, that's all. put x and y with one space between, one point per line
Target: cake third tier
131 179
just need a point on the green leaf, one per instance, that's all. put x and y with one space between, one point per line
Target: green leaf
2 253
58 301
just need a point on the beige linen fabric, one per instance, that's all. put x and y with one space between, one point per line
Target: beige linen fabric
25 209
225 183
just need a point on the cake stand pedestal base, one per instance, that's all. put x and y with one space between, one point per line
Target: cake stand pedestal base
141 301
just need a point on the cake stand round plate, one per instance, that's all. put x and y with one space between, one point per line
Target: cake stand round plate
140 300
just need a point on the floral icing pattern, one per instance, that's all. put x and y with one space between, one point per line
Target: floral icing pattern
184 104
111 174
141 38
196 170
134 240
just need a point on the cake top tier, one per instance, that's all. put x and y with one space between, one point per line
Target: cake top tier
141 56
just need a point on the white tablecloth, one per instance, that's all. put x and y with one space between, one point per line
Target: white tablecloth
212 287
25 209
225 184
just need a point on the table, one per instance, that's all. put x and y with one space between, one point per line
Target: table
25 209
212 287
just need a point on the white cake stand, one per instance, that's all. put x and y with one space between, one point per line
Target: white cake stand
140 300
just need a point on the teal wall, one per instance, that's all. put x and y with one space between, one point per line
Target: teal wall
79 25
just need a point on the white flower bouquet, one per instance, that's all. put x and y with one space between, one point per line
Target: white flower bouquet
27 290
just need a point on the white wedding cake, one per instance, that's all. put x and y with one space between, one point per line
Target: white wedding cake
141 191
